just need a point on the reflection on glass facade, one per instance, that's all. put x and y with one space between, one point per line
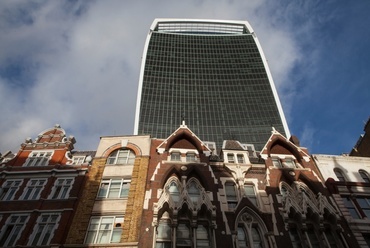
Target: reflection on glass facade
214 75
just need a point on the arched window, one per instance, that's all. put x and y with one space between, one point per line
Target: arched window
249 231
121 156
164 232
364 176
174 192
189 229
339 174
193 192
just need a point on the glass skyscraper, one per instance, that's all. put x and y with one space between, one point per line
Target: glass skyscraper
214 75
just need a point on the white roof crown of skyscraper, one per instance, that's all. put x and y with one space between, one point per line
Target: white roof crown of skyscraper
203 26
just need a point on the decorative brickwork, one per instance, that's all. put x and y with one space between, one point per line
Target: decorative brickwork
80 222
135 203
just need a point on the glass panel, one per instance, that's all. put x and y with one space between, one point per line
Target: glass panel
256 237
183 235
242 238
202 236
174 192
276 162
103 189
312 237
193 192
116 235
294 237
240 159
164 231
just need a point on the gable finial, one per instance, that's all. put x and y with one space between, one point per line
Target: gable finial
183 119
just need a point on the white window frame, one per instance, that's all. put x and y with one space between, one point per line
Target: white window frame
109 184
78 160
9 188
230 157
289 163
39 158
121 156
100 225
44 229
16 223
277 162
34 189
240 158
175 156
191 157
61 188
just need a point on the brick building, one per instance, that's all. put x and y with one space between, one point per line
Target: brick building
113 198
195 198
40 189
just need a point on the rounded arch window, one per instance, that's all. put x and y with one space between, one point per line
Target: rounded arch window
121 156
364 175
340 175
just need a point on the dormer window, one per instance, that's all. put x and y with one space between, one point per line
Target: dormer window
123 156
40 158
175 156
230 158
289 163
284 163
240 158
190 157
78 160
276 162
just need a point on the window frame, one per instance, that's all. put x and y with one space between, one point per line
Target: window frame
232 199
240 158
364 175
175 156
191 157
111 182
39 158
78 160
10 238
117 155
340 175
252 197
62 190
11 190
34 190
230 158
43 226
351 207
116 224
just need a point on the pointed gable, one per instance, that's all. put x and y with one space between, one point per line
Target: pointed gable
280 145
183 138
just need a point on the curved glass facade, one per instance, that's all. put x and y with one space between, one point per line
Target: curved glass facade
213 76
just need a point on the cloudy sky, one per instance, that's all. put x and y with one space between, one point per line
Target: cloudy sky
76 63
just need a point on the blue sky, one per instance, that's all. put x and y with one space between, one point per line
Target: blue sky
76 63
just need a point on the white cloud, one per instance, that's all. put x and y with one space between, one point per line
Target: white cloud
83 61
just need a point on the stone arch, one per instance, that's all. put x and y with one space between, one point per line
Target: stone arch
117 146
